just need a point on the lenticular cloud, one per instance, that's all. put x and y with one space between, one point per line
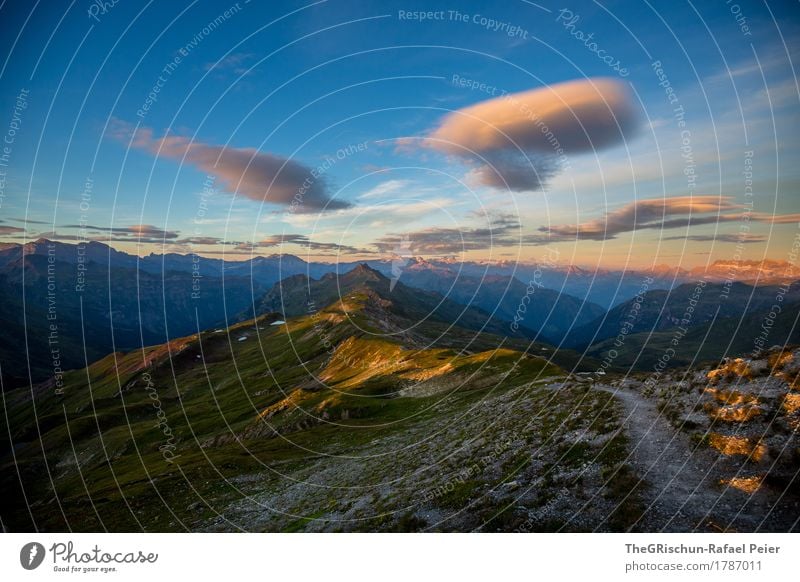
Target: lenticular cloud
520 140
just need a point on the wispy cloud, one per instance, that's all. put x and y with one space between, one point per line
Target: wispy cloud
392 212
200 240
302 240
134 232
744 238
234 63
499 231
388 187
29 221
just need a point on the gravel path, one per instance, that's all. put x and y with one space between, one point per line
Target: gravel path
681 493
683 490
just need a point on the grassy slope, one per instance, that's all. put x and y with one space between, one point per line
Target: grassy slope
235 407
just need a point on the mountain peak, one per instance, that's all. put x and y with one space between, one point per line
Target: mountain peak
280 257
363 270
36 243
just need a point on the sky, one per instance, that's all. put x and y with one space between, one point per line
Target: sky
614 134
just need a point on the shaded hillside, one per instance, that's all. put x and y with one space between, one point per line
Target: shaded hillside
731 336
550 313
51 311
691 303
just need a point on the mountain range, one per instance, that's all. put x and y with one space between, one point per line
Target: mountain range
67 305
352 404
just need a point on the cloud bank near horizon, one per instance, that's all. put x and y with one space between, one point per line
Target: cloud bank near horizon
505 230
664 214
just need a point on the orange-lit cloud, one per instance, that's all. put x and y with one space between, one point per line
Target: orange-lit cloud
524 138
663 213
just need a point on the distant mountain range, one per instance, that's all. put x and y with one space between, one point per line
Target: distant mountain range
605 287
66 305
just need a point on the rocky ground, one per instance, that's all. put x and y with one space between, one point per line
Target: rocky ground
714 449
540 457
719 445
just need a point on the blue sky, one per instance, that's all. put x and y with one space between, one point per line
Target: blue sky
352 93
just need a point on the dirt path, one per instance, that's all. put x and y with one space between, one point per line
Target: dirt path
683 492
